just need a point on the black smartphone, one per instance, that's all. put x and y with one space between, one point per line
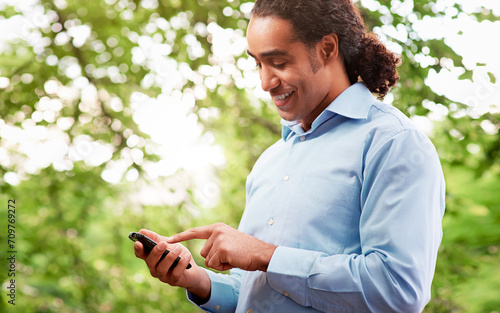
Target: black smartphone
149 244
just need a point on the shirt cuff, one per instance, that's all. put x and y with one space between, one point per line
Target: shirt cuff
289 271
222 295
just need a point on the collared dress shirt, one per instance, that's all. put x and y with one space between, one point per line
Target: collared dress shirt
355 207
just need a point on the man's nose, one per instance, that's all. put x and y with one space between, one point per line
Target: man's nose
268 79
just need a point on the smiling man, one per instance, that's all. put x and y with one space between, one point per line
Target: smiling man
344 212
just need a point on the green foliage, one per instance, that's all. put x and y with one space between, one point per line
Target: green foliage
72 224
466 274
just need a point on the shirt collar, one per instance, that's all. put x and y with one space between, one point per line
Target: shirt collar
354 103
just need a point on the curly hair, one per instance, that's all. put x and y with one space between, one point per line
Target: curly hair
365 57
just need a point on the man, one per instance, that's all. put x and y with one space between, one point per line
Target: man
343 214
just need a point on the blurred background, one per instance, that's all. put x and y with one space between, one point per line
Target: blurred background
117 115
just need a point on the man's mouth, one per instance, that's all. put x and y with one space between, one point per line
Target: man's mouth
283 96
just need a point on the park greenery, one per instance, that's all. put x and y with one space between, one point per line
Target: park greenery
117 115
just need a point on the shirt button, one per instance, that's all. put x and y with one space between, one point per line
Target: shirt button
302 138
286 178
286 294
217 307
271 221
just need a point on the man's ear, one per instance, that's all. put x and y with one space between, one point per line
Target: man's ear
329 47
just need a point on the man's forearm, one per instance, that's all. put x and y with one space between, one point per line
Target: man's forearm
202 291
264 257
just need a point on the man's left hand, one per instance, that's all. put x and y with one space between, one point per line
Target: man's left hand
228 248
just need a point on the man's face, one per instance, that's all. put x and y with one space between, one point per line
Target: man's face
286 70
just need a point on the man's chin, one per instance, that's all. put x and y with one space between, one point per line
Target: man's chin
287 116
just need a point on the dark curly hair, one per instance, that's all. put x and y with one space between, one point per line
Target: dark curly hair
364 55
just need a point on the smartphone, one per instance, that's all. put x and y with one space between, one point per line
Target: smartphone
149 244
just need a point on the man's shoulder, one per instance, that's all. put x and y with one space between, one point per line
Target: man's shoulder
388 116
387 124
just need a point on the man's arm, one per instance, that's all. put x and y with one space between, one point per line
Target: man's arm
224 292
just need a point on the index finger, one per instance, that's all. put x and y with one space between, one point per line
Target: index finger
154 236
202 232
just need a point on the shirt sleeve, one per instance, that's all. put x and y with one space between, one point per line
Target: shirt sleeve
402 204
224 292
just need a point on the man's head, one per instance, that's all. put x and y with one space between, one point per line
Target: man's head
363 54
303 79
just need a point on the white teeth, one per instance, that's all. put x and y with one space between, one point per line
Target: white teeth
283 97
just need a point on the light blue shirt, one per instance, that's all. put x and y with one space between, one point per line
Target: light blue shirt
355 207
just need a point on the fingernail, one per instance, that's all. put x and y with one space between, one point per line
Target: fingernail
162 246
170 239
177 250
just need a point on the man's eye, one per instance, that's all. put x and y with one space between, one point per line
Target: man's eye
279 65
257 65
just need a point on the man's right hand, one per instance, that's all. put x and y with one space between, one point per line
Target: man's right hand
195 279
